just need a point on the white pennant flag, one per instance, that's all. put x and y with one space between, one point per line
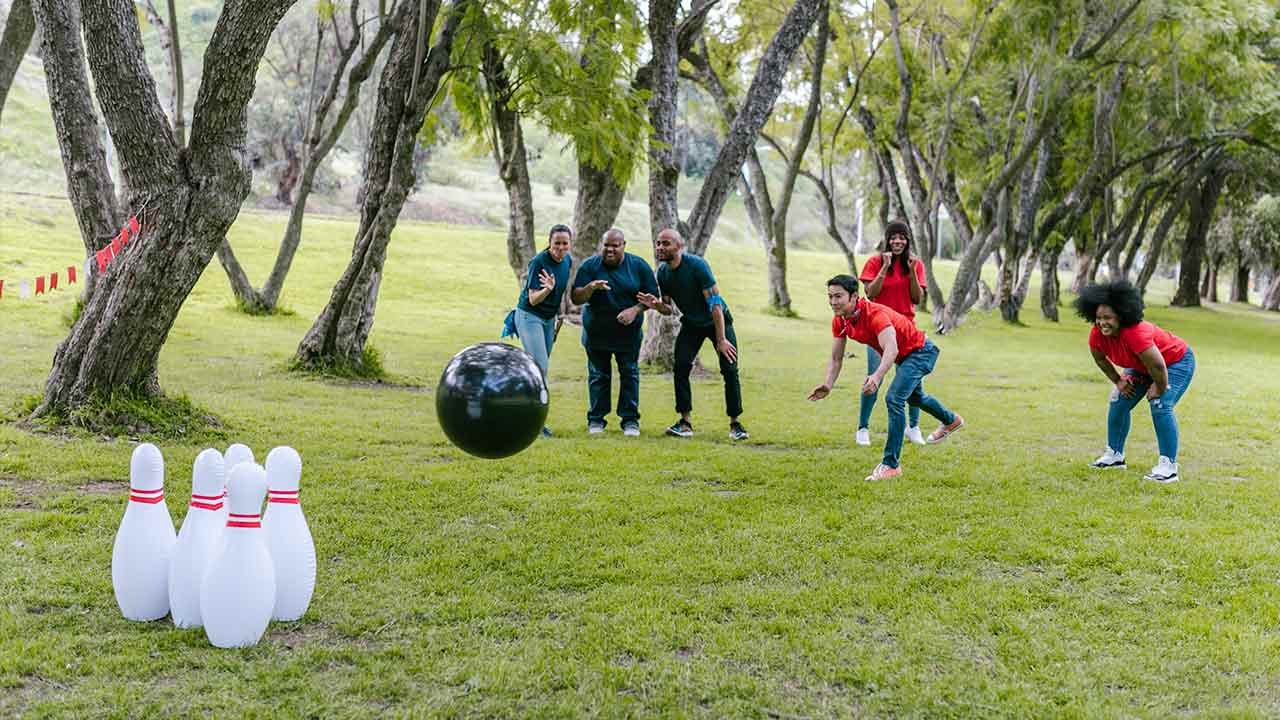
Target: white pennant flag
24 289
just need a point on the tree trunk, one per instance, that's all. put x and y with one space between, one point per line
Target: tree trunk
1049 288
320 141
512 161
755 110
339 335
187 200
18 29
292 172
1203 204
1271 301
89 186
1184 196
1240 282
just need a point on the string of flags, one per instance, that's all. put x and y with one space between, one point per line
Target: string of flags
44 283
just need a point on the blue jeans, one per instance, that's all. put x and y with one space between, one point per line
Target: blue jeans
537 336
600 381
908 387
869 401
1162 417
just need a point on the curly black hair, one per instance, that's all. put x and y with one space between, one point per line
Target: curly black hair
1120 295
896 227
848 282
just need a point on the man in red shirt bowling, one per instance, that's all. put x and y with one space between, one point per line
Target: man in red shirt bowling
899 342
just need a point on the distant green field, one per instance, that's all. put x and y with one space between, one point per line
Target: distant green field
618 577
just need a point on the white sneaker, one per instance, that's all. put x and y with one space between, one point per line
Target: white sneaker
1165 471
863 437
631 429
1110 460
595 428
914 435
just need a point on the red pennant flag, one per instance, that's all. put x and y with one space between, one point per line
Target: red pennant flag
103 256
40 285
124 235
53 281
1 288
133 225
116 243
71 274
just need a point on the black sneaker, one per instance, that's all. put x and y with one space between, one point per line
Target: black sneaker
737 432
682 428
546 431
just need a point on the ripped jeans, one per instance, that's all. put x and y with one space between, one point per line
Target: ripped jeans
1162 416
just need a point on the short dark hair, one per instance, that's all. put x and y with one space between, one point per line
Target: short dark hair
559 228
848 282
1120 295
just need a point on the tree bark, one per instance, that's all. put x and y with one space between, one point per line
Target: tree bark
1240 282
89 186
1049 288
1203 205
755 110
512 160
321 138
186 201
340 333
1271 301
1188 189
18 29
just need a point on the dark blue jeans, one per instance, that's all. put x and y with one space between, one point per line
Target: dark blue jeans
908 388
600 381
1180 374
868 402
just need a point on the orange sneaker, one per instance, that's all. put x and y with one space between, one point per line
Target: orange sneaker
943 431
884 472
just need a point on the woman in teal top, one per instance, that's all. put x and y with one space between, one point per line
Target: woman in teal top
544 286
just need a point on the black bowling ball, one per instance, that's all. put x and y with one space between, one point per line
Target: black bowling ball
492 401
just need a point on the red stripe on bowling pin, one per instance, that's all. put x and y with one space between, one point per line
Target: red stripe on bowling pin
206 502
238 520
147 497
289 497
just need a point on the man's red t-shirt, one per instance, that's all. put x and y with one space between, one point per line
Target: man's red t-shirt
895 292
870 319
1123 349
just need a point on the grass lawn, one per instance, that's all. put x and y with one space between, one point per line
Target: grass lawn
615 576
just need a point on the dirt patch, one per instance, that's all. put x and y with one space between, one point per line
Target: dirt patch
29 492
103 487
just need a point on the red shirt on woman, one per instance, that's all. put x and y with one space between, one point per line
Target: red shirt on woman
870 319
1123 349
895 293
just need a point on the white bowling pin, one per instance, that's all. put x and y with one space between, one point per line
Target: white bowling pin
236 453
198 538
239 588
144 542
288 537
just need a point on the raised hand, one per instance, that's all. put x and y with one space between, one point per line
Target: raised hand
595 285
648 300
547 279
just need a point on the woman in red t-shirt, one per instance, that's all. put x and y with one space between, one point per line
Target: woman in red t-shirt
1156 364
895 279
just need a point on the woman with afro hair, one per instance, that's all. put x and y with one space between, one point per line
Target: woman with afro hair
1156 364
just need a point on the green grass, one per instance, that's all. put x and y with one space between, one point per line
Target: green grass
654 577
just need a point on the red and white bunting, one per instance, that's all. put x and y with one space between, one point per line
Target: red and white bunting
48 283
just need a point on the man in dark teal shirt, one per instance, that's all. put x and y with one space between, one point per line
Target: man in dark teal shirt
687 283
612 321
